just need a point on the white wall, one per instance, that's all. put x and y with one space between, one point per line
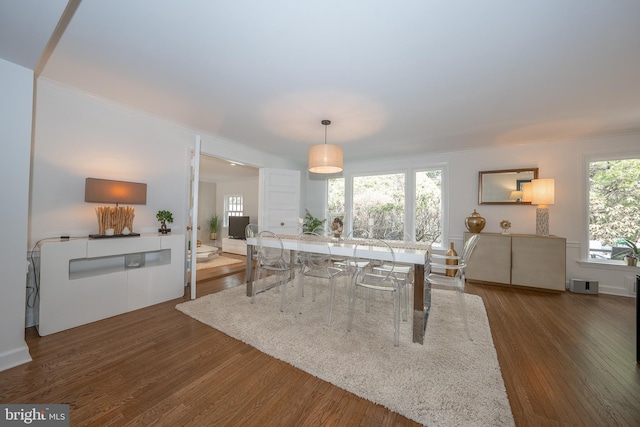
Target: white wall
16 86
76 137
79 136
562 160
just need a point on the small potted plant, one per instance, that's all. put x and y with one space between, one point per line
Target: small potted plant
312 224
214 226
631 259
164 217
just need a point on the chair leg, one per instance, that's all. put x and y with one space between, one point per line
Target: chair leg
283 290
300 292
404 298
254 289
332 292
396 319
367 303
463 313
352 303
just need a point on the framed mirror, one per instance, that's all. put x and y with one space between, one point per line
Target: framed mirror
504 187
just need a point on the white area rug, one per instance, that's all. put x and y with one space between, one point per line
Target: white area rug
449 381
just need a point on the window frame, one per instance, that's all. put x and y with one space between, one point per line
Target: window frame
227 210
586 209
443 201
410 194
379 173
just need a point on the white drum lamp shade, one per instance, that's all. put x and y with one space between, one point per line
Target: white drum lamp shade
542 194
325 158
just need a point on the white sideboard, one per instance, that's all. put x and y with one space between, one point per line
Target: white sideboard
519 260
84 280
234 246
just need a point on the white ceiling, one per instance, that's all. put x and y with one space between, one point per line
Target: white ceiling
395 78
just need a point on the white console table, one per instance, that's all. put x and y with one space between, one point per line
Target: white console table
85 280
234 246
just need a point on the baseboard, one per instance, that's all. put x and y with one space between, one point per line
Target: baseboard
15 357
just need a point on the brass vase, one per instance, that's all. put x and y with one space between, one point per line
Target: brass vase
475 223
451 252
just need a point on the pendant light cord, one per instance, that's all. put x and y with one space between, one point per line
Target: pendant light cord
325 123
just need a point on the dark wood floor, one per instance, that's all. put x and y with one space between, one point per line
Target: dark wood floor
567 360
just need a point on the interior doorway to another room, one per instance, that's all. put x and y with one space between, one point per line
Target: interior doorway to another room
221 179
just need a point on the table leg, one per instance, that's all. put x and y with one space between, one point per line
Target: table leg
249 270
421 304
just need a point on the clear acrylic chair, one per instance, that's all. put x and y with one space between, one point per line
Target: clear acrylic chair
350 264
271 259
377 280
314 255
251 230
438 262
402 272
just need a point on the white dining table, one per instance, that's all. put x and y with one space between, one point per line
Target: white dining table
404 252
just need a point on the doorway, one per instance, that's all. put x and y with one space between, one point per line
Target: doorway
219 179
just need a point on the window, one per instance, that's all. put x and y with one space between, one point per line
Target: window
395 206
379 205
428 198
614 197
335 199
335 195
233 206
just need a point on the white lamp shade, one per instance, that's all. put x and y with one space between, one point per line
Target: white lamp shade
516 195
527 192
325 158
542 191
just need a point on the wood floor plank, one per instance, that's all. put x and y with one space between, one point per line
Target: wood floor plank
566 359
560 353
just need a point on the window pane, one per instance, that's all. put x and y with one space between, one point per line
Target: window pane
379 198
429 206
335 195
233 206
614 197
335 205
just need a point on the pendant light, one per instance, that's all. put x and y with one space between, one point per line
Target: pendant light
325 158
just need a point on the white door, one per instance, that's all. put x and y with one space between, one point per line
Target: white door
279 204
193 213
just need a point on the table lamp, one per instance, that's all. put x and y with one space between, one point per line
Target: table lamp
113 220
542 194
516 196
